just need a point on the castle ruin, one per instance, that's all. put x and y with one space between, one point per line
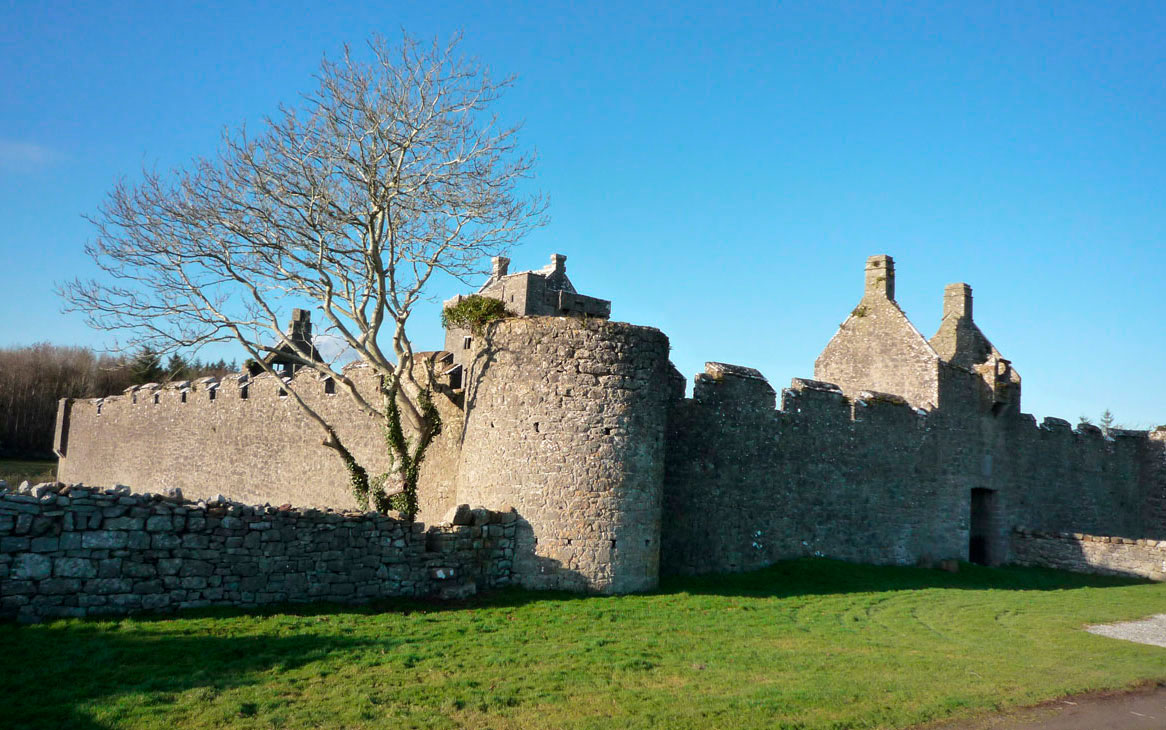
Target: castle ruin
900 450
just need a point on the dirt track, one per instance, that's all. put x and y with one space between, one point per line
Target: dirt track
1143 708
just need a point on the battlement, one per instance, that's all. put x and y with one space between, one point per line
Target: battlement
900 449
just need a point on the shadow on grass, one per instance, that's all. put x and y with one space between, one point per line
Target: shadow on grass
801 577
68 667
822 576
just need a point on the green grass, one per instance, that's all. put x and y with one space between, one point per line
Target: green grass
15 471
804 644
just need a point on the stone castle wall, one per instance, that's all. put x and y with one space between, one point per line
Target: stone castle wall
748 485
873 480
82 552
244 440
566 422
581 426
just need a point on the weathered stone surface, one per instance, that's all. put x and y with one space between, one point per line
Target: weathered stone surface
74 568
268 556
589 398
1084 553
30 566
105 539
917 451
459 515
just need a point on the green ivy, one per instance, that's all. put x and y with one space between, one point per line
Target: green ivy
473 313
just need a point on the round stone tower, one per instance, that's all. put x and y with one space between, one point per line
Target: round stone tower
565 421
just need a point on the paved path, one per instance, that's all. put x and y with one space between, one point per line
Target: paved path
1139 709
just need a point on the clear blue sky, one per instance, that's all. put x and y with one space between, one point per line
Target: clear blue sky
718 172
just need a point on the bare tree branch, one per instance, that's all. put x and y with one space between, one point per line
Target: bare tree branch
390 170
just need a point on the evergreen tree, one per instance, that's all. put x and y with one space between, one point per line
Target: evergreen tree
1106 422
146 367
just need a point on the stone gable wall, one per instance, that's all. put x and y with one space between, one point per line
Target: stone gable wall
877 348
72 551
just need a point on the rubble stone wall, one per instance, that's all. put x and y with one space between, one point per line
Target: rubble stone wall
245 441
747 485
1082 553
73 551
870 479
565 422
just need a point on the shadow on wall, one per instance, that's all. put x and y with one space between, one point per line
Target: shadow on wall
541 572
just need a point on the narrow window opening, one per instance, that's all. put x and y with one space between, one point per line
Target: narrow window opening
243 393
211 393
607 432
466 342
134 398
99 409
282 393
329 386
183 396
155 399
568 541
536 427
646 543
613 544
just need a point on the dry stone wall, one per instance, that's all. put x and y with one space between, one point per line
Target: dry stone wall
74 551
565 421
1082 553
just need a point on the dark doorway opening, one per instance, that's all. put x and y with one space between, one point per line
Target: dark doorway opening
982 527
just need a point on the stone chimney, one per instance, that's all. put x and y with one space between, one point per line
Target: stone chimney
559 262
880 277
501 266
957 301
300 328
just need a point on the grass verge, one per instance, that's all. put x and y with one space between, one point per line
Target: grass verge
804 644
15 471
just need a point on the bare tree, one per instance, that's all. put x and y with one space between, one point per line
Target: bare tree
390 171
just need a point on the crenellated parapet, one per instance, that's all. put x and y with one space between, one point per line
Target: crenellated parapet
901 449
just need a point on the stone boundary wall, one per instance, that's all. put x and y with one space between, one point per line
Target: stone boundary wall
1083 553
76 551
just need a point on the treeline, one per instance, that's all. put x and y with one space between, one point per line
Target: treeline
34 378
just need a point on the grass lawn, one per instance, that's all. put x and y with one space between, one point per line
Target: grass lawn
804 644
15 471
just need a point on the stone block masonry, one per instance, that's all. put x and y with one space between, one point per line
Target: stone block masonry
902 449
1082 553
243 437
566 423
74 551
